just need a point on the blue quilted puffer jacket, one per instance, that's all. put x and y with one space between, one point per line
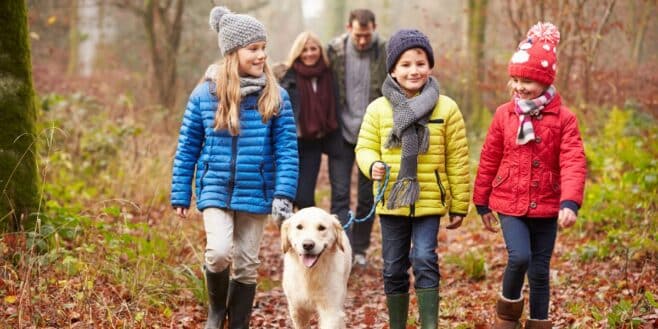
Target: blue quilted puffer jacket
240 173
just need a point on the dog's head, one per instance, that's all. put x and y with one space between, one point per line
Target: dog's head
310 232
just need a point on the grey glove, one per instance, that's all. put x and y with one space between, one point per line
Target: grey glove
281 209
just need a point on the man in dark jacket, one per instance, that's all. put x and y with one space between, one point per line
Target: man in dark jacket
358 61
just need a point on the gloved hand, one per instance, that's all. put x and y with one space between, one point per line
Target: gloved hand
281 209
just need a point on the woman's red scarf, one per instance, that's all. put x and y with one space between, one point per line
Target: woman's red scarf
317 112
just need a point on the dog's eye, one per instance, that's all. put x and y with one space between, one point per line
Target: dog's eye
300 226
321 228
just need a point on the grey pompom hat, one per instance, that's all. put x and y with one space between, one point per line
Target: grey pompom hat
235 30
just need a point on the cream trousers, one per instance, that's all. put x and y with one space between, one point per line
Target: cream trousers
233 238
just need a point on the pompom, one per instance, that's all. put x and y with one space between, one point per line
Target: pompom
520 56
216 15
544 32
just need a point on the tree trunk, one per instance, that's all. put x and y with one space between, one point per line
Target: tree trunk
163 22
164 39
637 27
18 168
74 40
477 18
337 18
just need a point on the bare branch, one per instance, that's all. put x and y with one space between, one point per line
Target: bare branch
515 22
128 5
604 21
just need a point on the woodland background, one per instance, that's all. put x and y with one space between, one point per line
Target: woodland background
88 239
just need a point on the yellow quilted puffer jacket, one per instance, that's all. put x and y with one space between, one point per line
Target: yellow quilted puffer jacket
443 171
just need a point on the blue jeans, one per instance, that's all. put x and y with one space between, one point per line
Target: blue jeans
341 163
530 243
409 242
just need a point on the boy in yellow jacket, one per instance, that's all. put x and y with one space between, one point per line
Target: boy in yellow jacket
420 135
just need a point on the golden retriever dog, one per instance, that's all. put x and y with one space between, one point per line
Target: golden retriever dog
316 266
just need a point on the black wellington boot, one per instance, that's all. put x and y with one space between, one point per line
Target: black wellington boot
240 302
217 284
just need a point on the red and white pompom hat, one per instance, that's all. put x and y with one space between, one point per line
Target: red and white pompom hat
536 57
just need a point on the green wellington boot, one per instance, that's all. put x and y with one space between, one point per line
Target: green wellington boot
398 308
428 307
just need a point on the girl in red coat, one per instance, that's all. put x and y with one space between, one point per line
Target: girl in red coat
532 173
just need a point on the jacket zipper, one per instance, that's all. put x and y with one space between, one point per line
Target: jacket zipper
231 180
443 189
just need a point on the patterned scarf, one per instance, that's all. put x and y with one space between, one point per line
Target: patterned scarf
250 85
410 117
528 108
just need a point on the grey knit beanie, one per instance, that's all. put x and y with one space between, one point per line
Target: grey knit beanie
235 30
407 39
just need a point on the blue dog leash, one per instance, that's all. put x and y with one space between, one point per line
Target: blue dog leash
378 197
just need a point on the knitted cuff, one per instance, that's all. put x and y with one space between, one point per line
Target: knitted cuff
482 210
571 205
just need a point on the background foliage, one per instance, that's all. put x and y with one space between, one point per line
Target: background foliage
108 252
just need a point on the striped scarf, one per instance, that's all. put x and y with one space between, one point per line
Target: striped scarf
528 108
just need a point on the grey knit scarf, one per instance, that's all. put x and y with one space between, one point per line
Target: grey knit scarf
410 117
250 85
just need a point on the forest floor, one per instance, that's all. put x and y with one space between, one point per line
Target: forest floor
101 291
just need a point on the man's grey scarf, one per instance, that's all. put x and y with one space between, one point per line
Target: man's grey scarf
250 85
410 117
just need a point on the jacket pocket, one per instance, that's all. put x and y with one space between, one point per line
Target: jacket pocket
441 187
436 121
203 175
261 170
501 177
555 182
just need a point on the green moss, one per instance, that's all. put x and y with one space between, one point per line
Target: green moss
18 169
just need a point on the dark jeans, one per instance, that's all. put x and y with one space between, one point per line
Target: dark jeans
409 242
341 163
310 157
530 243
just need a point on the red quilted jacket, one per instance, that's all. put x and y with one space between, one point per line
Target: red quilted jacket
532 179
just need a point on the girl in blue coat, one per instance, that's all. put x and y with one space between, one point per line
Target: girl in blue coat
238 143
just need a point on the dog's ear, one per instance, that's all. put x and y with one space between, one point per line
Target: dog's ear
338 228
285 243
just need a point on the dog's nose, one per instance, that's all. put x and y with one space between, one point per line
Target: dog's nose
308 245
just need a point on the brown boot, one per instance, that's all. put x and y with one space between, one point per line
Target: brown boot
508 313
538 324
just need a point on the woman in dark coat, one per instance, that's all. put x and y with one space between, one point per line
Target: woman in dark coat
309 83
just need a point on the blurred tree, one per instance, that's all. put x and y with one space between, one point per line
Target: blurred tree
74 39
472 105
582 25
162 21
337 18
18 166
637 22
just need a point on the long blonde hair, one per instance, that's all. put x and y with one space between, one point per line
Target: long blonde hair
228 93
298 47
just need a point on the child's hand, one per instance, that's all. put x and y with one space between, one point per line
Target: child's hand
566 217
455 222
181 212
490 222
378 170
